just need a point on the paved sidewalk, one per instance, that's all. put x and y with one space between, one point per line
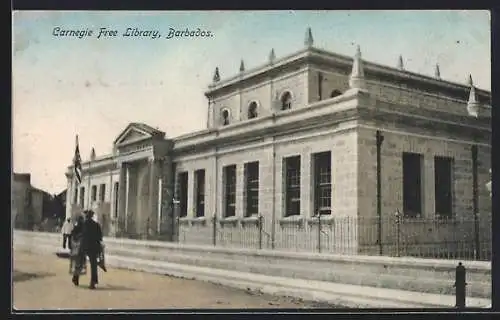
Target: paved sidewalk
352 296
43 282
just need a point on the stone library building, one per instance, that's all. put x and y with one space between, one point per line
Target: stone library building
310 139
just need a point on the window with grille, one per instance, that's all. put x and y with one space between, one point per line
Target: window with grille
443 186
412 184
82 196
292 186
322 183
230 190
286 101
93 195
182 193
200 192
102 192
75 196
252 188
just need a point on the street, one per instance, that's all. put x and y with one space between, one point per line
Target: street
42 282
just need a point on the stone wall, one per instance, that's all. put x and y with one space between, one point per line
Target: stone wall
429 146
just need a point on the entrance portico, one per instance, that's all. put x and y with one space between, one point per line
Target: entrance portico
141 155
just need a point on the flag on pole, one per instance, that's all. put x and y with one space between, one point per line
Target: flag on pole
77 163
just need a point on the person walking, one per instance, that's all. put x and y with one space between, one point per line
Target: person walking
66 233
92 242
77 255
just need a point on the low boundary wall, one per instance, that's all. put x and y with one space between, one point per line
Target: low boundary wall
409 274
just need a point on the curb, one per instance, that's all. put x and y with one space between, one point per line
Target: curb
331 293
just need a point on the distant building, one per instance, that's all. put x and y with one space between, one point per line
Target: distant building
300 136
59 205
30 205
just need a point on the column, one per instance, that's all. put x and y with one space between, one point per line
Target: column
122 197
153 197
127 196
69 197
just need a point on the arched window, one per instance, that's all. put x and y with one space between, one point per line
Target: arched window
286 101
335 93
225 117
252 110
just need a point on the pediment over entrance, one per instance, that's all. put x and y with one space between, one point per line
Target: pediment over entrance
136 132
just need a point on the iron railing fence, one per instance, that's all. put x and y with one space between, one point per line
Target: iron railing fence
461 237
440 238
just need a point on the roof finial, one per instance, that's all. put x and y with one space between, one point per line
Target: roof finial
437 73
400 63
272 56
309 41
216 75
92 154
357 78
473 103
242 66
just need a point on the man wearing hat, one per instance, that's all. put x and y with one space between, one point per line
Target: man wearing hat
91 242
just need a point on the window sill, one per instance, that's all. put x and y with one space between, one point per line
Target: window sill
250 220
192 221
199 221
229 221
325 219
433 219
292 220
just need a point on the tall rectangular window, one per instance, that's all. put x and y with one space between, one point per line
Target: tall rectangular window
412 184
199 176
82 196
102 192
443 186
116 194
94 193
292 186
230 191
75 195
322 182
183 193
252 188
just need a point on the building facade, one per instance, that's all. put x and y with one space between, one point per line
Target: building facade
28 204
313 134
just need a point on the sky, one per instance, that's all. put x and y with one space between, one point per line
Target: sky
63 86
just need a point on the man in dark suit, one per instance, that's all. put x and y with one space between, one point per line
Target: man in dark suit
91 242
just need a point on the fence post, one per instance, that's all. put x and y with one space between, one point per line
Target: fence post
319 232
178 228
214 227
260 231
398 221
460 286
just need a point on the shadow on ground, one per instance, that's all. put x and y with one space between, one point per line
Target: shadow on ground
107 287
63 255
18 276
